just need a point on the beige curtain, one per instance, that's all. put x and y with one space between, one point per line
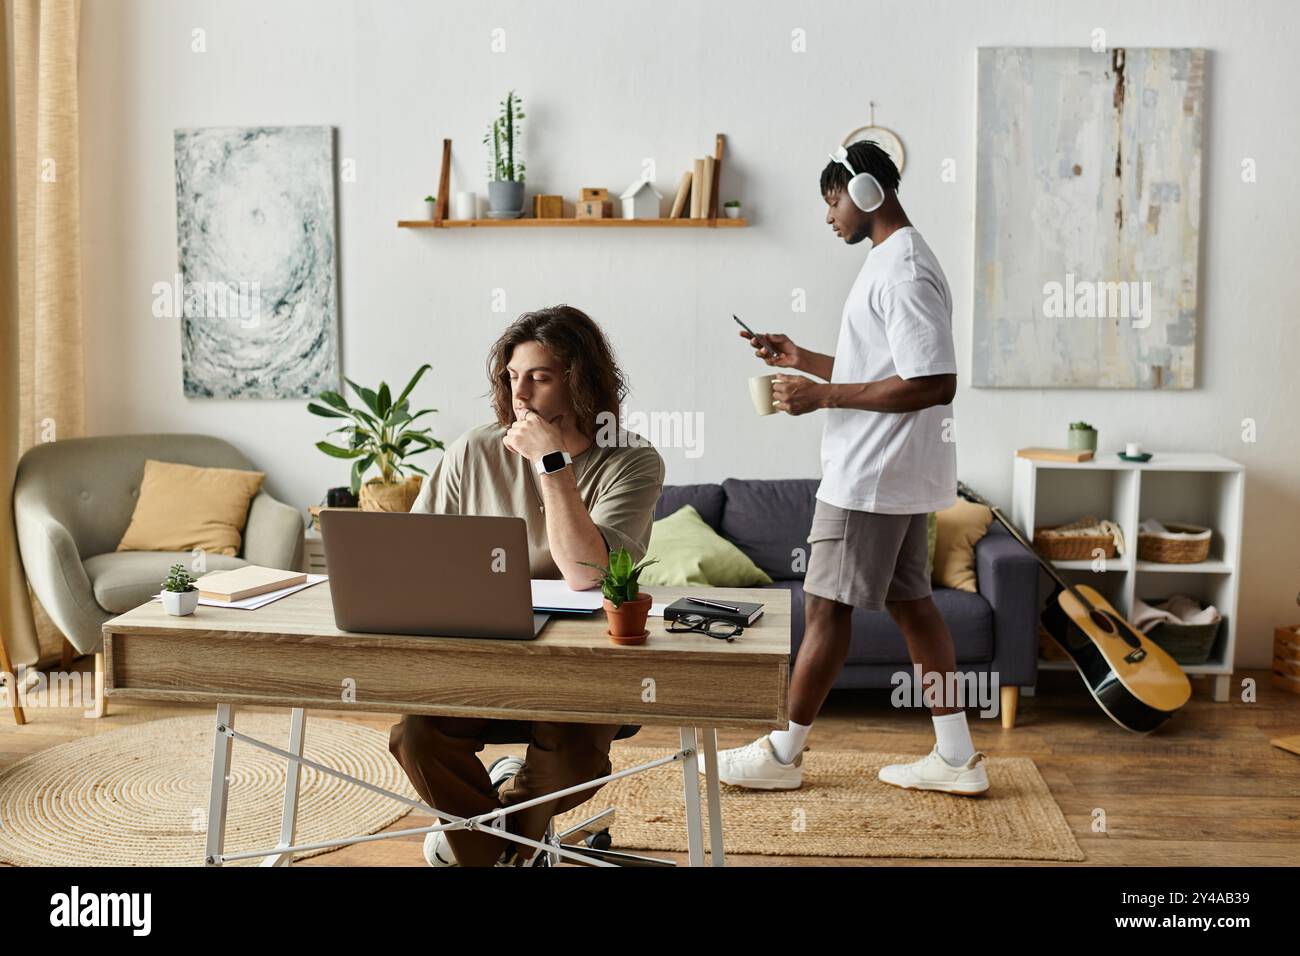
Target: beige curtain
40 273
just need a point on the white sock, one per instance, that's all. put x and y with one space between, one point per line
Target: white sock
953 738
788 744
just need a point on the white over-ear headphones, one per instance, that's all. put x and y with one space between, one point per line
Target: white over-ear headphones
864 189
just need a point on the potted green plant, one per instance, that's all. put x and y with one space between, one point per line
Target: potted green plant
1082 437
731 208
505 161
180 595
431 204
626 606
380 434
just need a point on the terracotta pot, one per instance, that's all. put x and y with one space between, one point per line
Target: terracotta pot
397 496
627 621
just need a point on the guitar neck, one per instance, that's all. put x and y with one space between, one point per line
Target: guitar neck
1024 542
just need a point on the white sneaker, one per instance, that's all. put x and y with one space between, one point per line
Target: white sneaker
934 773
437 848
756 767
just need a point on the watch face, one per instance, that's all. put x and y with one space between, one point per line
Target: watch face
554 461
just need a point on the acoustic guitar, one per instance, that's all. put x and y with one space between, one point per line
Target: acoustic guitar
1135 683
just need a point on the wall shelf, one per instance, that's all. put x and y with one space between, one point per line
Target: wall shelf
573 223
440 220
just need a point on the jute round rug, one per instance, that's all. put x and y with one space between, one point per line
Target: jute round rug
139 795
843 810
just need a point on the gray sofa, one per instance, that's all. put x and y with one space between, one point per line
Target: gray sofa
73 500
994 630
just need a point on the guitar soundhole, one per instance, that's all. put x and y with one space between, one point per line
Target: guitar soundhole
1102 621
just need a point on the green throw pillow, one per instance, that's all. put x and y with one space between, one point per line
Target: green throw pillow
690 552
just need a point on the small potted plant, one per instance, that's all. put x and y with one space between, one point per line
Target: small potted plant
1082 437
505 163
180 595
431 204
626 607
731 208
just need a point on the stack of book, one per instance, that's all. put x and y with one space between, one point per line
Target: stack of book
695 199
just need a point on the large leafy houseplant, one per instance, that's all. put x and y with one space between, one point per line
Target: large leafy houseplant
379 434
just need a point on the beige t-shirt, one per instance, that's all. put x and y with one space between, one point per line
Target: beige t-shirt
478 475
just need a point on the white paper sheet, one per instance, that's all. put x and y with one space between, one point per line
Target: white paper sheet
556 595
259 600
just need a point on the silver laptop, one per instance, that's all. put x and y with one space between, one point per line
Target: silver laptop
443 575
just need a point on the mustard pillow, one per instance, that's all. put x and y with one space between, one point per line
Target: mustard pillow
956 532
181 508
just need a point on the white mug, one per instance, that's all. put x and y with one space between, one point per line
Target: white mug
465 206
760 391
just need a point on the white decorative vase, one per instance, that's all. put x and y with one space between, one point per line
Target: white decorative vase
464 206
180 603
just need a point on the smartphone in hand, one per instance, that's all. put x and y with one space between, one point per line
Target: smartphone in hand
763 343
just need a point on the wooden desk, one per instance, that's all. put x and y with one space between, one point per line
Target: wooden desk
290 654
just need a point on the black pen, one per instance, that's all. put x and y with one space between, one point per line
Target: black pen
718 604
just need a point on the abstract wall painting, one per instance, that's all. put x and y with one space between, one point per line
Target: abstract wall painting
255 233
1087 206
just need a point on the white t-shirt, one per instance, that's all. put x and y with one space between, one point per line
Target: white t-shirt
897 321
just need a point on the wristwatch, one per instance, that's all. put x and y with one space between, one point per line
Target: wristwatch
554 461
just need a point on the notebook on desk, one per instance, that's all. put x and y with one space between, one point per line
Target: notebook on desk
747 611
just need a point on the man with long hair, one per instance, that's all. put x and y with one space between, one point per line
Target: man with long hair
555 388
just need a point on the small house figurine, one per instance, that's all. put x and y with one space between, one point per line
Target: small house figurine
591 209
641 201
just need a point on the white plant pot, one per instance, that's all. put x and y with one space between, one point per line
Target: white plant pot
732 212
180 603
432 207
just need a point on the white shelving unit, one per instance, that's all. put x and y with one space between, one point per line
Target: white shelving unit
1197 488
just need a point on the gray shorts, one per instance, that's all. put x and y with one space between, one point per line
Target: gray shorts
864 559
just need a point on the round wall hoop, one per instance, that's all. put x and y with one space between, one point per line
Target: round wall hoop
886 138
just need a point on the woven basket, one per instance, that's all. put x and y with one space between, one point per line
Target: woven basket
398 496
1185 643
1072 547
1186 544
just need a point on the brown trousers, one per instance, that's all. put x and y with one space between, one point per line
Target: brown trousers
440 756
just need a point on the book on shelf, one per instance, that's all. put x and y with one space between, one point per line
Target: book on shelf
1056 454
683 197
706 187
697 188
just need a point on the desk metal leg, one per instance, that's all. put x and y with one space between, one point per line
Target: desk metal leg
222 744
709 744
691 797
292 774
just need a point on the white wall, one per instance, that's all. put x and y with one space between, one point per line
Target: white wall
606 85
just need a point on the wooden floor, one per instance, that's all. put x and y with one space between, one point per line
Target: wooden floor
1208 789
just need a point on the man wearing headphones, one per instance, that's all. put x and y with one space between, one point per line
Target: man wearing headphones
887 460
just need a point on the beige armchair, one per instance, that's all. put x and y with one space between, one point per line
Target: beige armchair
73 500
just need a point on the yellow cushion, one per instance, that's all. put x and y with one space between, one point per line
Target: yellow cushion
956 532
181 508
